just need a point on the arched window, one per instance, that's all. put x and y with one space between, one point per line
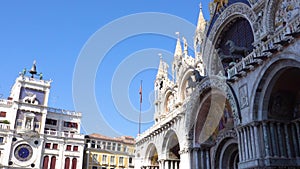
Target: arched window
67 163
74 163
45 162
53 161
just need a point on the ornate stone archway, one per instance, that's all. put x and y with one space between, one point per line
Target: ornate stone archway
212 83
170 149
226 152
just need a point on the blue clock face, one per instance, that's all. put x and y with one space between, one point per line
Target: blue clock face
23 152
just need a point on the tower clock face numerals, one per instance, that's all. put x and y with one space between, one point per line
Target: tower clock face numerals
23 152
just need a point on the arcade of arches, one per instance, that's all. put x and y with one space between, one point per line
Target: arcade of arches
234 104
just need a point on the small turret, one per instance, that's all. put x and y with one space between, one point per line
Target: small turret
178 49
199 34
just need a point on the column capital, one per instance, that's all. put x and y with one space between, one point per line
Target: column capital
185 150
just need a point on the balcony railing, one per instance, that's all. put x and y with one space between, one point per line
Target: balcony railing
62 111
4 126
63 134
5 102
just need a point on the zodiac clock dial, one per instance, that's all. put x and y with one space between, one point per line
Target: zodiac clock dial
23 152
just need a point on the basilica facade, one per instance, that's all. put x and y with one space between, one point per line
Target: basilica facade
236 102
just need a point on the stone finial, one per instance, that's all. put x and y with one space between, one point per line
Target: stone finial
178 49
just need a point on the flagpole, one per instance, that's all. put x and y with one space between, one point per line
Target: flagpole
140 114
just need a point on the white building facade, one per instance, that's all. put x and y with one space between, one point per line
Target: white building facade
235 104
34 135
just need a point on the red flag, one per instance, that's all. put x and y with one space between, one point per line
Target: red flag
141 93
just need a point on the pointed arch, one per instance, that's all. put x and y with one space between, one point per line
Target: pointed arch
170 146
151 155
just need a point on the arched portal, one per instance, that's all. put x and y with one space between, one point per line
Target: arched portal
171 150
283 97
214 117
227 156
151 159
276 108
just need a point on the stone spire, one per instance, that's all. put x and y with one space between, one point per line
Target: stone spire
162 69
201 21
178 49
199 33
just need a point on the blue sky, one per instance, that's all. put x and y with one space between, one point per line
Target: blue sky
55 34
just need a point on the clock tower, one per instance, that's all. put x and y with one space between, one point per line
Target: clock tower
30 96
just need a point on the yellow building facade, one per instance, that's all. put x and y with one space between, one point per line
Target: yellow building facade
104 152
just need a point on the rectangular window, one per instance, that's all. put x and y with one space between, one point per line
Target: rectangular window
70 124
93 144
125 148
104 145
2 114
94 167
55 146
112 160
51 122
121 159
75 148
98 144
47 145
119 147
1 140
68 148
114 146
108 145
95 158
104 158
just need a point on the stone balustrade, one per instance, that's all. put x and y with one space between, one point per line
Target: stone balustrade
280 140
62 134
4 126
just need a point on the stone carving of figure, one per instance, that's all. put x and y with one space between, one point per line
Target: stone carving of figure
28 124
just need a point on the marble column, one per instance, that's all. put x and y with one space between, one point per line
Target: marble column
166 164
246 150
257 140
249 142
202 159
207 152
195 158
252 141
294 135
273 140
287 140
185 158
266 139
280 137
298 132
240 146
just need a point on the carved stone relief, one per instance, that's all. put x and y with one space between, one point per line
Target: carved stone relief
243 93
